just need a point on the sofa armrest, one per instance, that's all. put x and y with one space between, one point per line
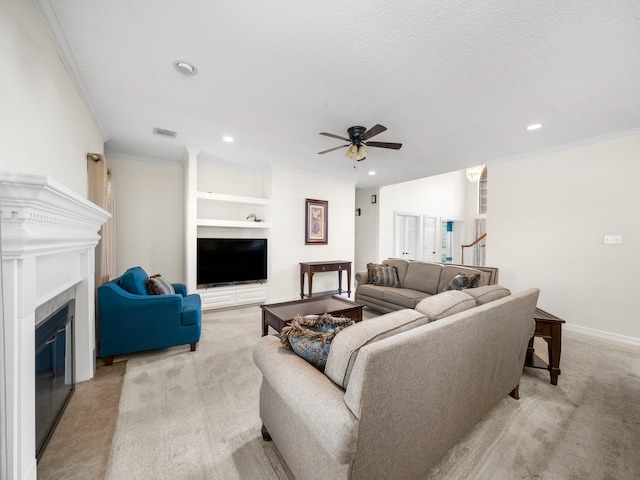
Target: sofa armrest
362 278
316 401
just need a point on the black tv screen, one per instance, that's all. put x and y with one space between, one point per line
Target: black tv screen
231 260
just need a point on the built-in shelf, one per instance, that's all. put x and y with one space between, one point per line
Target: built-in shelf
221 197
235 199
210 222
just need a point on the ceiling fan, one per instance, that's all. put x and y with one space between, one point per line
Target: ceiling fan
358 140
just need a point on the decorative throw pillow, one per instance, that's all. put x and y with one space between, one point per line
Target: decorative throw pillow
159 286
310 337
370 270
458 282
473 281
386 276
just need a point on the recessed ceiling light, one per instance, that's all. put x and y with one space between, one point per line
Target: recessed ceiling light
227 138
534 126
185 68
372 172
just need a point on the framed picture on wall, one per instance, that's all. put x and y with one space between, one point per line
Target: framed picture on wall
316 222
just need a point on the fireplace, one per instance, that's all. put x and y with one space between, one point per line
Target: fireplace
54 371
48 236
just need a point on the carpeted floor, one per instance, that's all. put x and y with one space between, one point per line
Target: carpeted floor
194 415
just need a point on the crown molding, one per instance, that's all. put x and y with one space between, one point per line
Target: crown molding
50 20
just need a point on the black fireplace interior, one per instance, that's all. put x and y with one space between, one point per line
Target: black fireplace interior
54 371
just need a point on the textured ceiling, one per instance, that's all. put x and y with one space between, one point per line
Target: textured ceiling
455 81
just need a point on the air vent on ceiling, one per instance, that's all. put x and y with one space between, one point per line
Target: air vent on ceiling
164 133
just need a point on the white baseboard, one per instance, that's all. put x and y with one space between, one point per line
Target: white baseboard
592 332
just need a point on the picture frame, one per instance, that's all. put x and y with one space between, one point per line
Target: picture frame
316 222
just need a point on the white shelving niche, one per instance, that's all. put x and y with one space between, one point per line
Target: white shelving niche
227 214
210 216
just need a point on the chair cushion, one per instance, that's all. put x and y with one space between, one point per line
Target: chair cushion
347 344
156 285
488 293
445 304
133 281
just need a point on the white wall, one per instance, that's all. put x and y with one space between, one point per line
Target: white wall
443 196
46 129
546 220
149 217
367 226
289 191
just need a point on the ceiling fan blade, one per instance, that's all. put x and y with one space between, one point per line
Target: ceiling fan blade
332 149
373 131
334 136
394 146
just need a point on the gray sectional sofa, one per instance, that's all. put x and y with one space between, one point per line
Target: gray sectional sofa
418 280
398 390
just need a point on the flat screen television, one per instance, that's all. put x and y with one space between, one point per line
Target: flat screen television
224 261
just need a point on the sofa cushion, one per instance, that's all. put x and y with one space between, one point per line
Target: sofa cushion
401 265
156 285
488 293
133 281
385 276
404 297
445 304
369 290
423 276
450 271
347 344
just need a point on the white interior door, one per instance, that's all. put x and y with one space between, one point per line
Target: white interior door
406 236
429 253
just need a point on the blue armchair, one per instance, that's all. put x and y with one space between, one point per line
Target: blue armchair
131 320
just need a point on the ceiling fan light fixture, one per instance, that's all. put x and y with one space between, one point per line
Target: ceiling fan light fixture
352 152
362 153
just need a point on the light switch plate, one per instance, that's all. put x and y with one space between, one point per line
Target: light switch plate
613 239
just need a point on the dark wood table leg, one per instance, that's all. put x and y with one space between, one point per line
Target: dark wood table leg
339 282
349 280
265 325
554 345
301 284
310 281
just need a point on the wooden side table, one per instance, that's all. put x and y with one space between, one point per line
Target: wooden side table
549 327
331 266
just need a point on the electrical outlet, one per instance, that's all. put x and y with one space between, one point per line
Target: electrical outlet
613 239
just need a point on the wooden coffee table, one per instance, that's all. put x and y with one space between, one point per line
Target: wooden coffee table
278 315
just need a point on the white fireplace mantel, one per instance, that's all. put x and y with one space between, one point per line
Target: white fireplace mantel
48 235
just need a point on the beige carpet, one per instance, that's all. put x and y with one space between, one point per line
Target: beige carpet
190 416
